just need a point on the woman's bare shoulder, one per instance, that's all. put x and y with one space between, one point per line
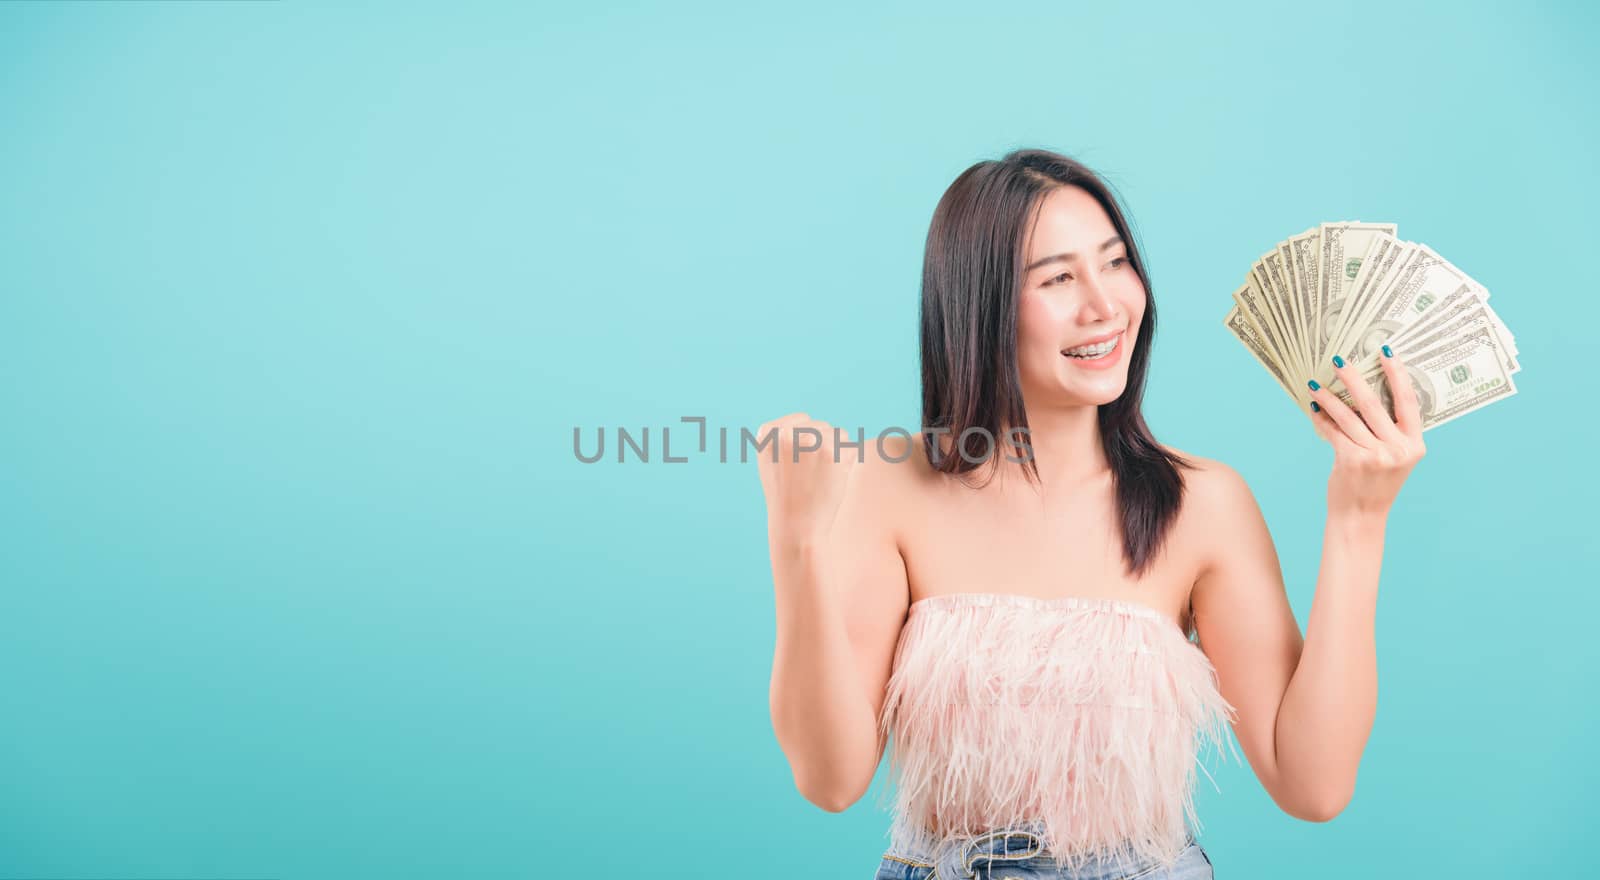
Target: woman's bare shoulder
895 463
1214 487
1211 496
897 477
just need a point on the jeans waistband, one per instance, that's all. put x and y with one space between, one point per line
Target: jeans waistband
965 857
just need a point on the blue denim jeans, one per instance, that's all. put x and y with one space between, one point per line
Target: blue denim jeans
1018 855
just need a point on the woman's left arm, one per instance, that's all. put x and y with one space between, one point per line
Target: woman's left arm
1306 707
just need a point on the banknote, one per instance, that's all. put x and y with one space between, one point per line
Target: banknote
1350 288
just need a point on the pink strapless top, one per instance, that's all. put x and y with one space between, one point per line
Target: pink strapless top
1085 715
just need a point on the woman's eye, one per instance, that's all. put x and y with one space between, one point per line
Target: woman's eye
1119 262
1058 279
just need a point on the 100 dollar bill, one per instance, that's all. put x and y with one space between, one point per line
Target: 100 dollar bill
1463 373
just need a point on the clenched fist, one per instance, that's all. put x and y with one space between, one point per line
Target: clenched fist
806 483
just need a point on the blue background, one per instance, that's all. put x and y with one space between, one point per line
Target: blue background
300 304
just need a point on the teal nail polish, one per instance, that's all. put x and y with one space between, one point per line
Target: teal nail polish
1387 353
1338 361
1314 407
1313 384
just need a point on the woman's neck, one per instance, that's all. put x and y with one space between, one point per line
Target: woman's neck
1066 446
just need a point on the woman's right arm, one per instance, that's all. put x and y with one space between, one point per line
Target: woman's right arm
841 598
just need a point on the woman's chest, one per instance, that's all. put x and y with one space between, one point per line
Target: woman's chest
962 543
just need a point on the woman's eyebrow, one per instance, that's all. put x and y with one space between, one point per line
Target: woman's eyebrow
1069 256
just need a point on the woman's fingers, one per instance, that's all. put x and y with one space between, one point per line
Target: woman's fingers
1407 412
1343 417
1324 425
1368 406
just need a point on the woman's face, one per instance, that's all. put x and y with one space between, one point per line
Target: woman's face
1078 287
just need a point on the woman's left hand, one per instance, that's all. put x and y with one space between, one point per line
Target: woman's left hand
1373 454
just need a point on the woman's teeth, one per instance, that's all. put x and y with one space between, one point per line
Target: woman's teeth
1094 351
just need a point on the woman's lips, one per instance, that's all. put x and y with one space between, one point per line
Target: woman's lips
1105 362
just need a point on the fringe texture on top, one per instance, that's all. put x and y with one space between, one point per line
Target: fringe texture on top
1082 715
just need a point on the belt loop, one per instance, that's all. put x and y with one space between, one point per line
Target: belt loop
969 858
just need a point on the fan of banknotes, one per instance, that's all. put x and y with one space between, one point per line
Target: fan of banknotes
1349 288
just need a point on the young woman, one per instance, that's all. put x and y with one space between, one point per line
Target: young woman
1045 607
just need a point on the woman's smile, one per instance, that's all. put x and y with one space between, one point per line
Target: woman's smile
1096 359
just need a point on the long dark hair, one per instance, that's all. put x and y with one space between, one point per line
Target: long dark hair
971 280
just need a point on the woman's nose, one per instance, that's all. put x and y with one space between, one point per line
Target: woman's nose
1097 300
